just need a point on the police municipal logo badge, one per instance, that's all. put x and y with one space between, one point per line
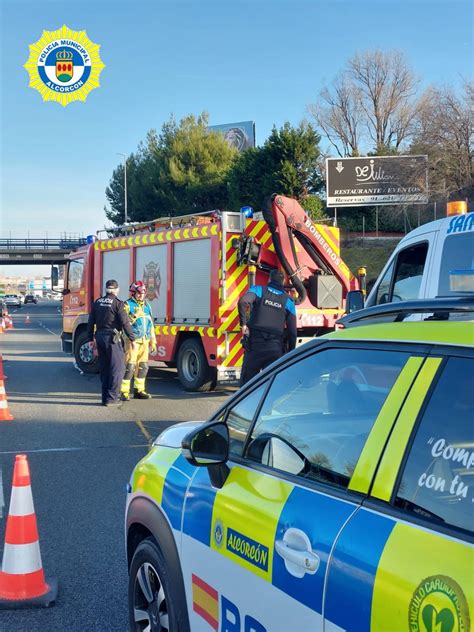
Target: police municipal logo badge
218 533
64 65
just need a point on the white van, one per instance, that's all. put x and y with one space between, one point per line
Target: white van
423 263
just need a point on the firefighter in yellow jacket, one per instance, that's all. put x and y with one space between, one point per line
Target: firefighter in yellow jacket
136 358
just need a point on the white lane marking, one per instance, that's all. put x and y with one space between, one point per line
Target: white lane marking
49 330
74 364
101 447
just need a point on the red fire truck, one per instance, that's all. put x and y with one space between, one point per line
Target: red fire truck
195 268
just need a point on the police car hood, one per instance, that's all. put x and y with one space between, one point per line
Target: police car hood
172 436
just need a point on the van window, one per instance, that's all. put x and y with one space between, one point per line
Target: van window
458 254
383 291
405 285
75 271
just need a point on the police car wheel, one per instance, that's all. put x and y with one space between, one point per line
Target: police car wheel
150 591
84 355
193 370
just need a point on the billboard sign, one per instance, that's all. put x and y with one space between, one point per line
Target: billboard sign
377 180
238 135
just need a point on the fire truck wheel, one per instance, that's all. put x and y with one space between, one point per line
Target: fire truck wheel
84 354
193 370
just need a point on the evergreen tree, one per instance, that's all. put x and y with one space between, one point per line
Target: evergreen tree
288 163
182 170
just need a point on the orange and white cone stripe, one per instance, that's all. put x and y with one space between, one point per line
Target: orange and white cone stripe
22 580
5 414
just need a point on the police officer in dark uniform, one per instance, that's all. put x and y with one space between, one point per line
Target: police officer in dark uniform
110 320
272 319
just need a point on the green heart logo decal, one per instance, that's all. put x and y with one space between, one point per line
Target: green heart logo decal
435 621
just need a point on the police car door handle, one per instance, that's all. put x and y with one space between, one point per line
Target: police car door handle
295 549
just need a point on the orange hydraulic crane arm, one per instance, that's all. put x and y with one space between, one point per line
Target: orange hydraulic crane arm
288 221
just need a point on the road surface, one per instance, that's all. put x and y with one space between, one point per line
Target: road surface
81 456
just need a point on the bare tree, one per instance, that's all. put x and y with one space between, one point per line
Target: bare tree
339 116
386 88
444 131
370 106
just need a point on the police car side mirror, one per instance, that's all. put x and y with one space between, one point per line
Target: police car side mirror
208 446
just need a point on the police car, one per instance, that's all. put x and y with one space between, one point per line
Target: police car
333 492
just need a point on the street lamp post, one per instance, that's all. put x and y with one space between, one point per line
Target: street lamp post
125 182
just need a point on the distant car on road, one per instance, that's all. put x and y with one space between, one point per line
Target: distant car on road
13 300
31 298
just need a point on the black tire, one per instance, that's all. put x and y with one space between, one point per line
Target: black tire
85 359
193 370
152 598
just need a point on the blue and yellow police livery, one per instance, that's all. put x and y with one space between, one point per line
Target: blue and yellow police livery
333 492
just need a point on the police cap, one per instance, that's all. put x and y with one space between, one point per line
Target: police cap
111 284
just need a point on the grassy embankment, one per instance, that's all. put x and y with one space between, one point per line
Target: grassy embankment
370 254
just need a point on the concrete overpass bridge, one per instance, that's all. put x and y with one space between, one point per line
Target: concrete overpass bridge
41 251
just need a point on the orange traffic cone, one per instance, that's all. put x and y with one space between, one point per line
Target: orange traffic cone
10 323
22 581
2 325
5 414
27 319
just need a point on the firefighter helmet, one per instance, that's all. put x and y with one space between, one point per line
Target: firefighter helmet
138 287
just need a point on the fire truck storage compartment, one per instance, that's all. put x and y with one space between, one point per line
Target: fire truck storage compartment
152 269
192 281
116 265
325 291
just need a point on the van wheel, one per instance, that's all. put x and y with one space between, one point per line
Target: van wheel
193 370
84 354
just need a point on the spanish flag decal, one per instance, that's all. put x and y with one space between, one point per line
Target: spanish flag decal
205 602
